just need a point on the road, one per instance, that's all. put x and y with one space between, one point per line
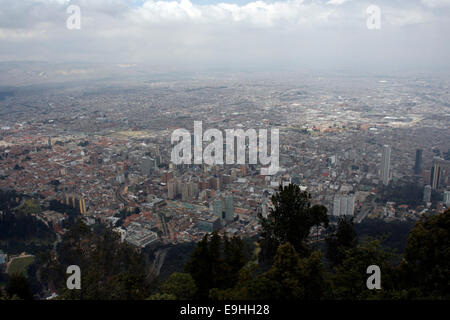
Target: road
120 197
164 224
365 210
160 256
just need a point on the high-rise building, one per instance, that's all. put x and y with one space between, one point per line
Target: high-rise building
75 202
208 224
427 193
214 183
343 210
435 176
193 190
218 208
336 205
243 170
439 175
82 206
350 205
225 179
264 208
147 166
418 164
343 205
167 176
189 191
229 208
447 198
171 189
178 185
386 165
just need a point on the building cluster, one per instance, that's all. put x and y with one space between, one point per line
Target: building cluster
107 154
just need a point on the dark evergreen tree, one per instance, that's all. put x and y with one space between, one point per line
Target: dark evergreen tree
290 220
199 266
342 239
215 263
180 285
350 280
426 263
18 286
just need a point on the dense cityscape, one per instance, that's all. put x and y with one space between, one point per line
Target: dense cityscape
206 151
104 151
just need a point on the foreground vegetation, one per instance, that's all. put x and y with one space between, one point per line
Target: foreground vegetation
283 263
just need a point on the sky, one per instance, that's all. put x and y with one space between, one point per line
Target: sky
412 34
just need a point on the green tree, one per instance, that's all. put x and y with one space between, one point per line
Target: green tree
287 272
110 270
19 286
162 296
215 263
314 278
319 218
350 280
426 263
234 258
342 239
30 206
290 220
180 285
199 266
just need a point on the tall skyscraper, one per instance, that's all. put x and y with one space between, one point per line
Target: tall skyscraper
76 202
343 211
447 198
440 173
427 193
147 166
171 189
386 165
350 205
218 208
418 164
189 191
336 205
435 175
243 170
229 208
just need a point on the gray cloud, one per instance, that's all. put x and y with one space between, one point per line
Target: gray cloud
315 33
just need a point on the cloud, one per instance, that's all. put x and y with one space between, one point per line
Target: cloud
401 17
257 13
337 2
436 3
307 31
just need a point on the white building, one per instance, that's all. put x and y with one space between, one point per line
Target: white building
447 198
386 165
343 205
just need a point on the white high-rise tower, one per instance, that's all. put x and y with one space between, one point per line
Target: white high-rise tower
386 165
